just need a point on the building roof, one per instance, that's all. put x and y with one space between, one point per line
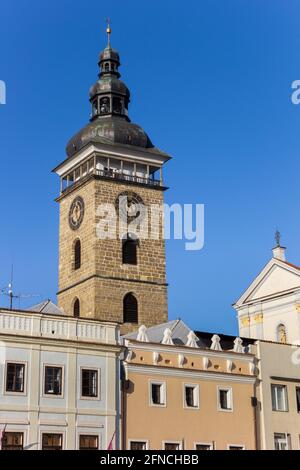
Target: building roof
47 307
226 341
155 333
110 123
179 335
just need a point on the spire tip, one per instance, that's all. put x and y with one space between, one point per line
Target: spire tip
108 30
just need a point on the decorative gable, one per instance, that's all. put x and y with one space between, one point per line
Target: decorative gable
277 277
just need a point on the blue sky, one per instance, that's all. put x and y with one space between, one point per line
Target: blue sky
210 83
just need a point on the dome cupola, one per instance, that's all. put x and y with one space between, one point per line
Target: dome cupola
109 120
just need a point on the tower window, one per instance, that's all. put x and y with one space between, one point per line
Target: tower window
130 309
117 105
77 254
104 105
76 308
106 67
95 107
129 251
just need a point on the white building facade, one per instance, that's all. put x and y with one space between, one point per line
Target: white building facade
58 387
269 309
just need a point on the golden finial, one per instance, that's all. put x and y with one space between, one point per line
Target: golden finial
108 30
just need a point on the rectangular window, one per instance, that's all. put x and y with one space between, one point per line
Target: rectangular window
77 174
91 164
298 398
282 441
225 399
234 447
88 442
157 394
279 398
204 447
191 393
53 380
12 441
89 383
138 445
52 442
15 377
172 446
84 169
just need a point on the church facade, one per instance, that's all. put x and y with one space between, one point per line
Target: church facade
269 309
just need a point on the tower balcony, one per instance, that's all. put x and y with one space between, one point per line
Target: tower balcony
113 169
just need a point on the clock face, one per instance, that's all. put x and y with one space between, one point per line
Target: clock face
130 206
76 213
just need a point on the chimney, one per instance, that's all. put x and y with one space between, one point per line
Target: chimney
279 252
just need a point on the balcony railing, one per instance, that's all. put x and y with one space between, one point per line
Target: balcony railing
115 175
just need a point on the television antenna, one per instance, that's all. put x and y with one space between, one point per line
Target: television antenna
9 292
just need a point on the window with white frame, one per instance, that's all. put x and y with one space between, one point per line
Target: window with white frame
52 441
191 396
201 446
282 441
279 397
15 377
12 441
225 398
89 383
172 446
53 380
88 442
158 393
138 445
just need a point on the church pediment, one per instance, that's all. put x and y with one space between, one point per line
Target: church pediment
277 277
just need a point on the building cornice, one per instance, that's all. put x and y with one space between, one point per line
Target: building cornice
189 373
37 341
131 153
161 348
111 278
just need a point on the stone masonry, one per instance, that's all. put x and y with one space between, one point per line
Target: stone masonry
102 280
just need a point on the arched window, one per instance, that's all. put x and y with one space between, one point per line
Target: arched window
129 250
76 308
281 333
106 67
130 309
77 254
117 105
95 107
104 105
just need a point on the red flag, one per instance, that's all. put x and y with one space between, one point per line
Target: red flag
110 445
